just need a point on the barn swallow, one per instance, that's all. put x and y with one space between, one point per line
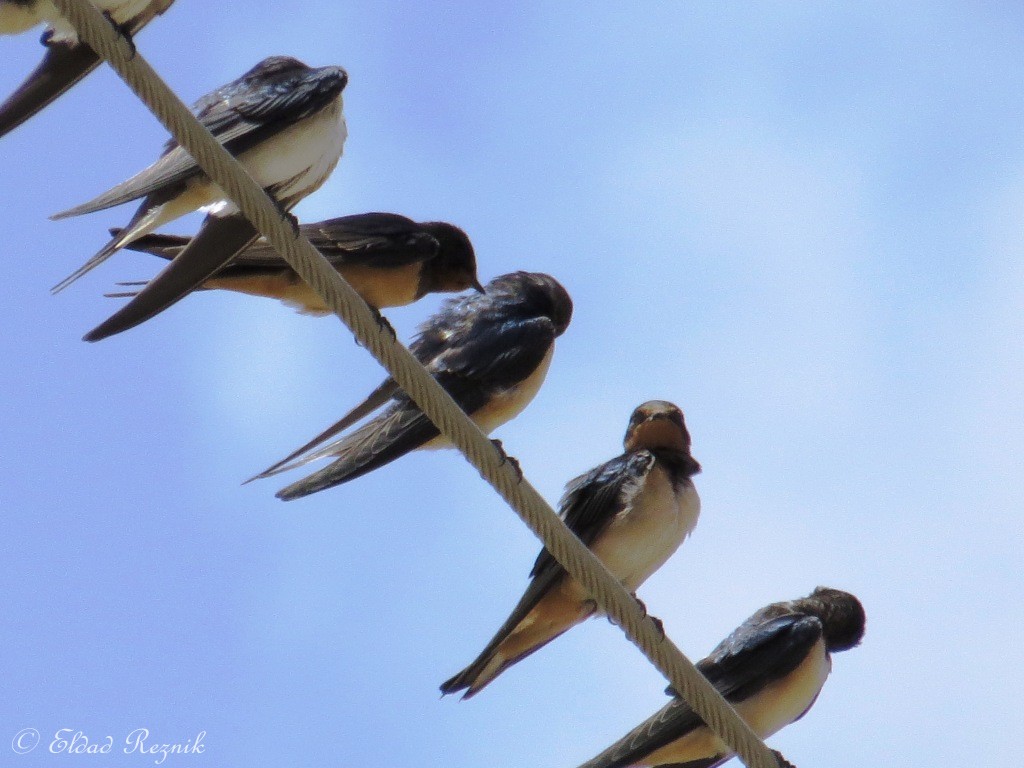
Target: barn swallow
771 669
390 260
633 512
282 120
490 352
67 59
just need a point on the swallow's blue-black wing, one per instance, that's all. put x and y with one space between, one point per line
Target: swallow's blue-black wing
381 240
487 360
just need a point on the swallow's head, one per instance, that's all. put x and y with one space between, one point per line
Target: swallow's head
326 83
529 295
278 76
285 69
274 66
657 424
453 269
841 615
332 79
556 298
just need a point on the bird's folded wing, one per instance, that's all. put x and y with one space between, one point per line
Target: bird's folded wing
390 242
753 656
495 355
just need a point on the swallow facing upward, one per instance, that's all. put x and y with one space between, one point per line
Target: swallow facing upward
490 352
390 260
771 669
632 511
67 59
284 123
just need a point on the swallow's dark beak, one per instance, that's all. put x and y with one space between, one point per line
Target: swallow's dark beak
477 287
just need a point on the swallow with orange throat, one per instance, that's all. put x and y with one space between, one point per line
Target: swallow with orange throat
633 511
389 259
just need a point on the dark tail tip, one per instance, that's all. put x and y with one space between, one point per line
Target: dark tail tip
102 331
61 67
456 684
290 493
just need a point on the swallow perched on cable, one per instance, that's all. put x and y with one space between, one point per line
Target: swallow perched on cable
389 259
633 512
771 669
67 58
490 352
284 123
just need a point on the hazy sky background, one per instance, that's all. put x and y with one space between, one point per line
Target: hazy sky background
803 223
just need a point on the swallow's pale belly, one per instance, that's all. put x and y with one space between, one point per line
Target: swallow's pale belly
298 160
379 288
641 538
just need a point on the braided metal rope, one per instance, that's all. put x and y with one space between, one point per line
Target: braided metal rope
577 560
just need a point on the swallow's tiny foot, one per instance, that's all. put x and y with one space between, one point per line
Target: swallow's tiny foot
657 622
783 762
123 31
287 215
506 459
383 324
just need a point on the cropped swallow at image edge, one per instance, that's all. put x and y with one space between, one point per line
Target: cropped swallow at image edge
390 260
771 669
67 58
633 511
490 352
283 121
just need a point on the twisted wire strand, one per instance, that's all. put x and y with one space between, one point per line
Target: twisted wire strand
94 28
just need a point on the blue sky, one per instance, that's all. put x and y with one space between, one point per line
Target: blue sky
800 222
